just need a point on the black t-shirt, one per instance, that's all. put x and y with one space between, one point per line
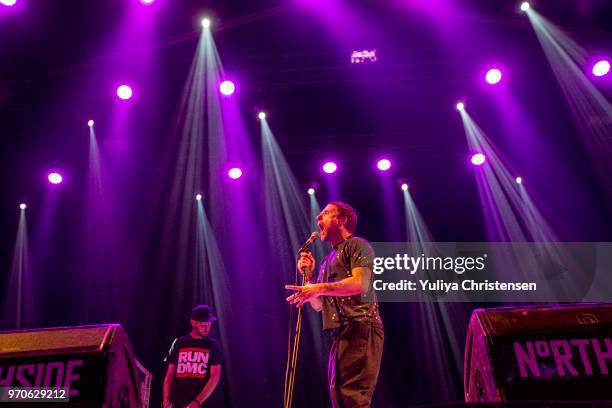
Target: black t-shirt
193 359
338 265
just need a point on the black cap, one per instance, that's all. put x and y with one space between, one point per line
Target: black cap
202 313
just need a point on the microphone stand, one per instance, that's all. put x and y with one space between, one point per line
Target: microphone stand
292 355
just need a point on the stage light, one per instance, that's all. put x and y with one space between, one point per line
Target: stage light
383 164
8 3
147 2
525 6
364 56
227 87
124 92
234 173
261 115
22 206
478 159
90 123
519 180
601 68
405 187
330 167
198 197
205 22
493 76
460 106
311 191
55 178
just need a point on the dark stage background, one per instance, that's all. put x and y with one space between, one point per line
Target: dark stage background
130 255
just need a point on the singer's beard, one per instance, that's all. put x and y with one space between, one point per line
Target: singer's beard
328 232
325 234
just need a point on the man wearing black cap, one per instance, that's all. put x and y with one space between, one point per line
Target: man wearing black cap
194 364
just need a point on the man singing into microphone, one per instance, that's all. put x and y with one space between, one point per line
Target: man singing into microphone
357 330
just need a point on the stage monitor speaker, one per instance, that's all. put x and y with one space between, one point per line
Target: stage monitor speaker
95 364
553 353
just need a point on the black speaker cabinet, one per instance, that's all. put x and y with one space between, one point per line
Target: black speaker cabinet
554 353
95 364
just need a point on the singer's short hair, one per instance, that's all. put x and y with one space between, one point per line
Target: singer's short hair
345 210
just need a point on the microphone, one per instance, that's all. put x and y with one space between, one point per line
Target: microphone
313 237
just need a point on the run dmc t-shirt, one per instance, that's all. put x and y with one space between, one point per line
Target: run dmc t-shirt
193 359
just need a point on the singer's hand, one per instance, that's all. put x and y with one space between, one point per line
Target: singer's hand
306 264
303 294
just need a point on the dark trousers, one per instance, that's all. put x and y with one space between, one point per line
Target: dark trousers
354 361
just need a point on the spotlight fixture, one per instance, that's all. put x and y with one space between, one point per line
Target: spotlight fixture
311 191
460 106
330 167
364 56
90 123
8 3
55 178
383 164
227 87
147 2
478 159
493 76
525 6
405 186
601 68
261 115
234 173
519 180
206 22
124 92
22 206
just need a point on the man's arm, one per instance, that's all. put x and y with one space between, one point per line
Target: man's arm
168 384
213 381
353 285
